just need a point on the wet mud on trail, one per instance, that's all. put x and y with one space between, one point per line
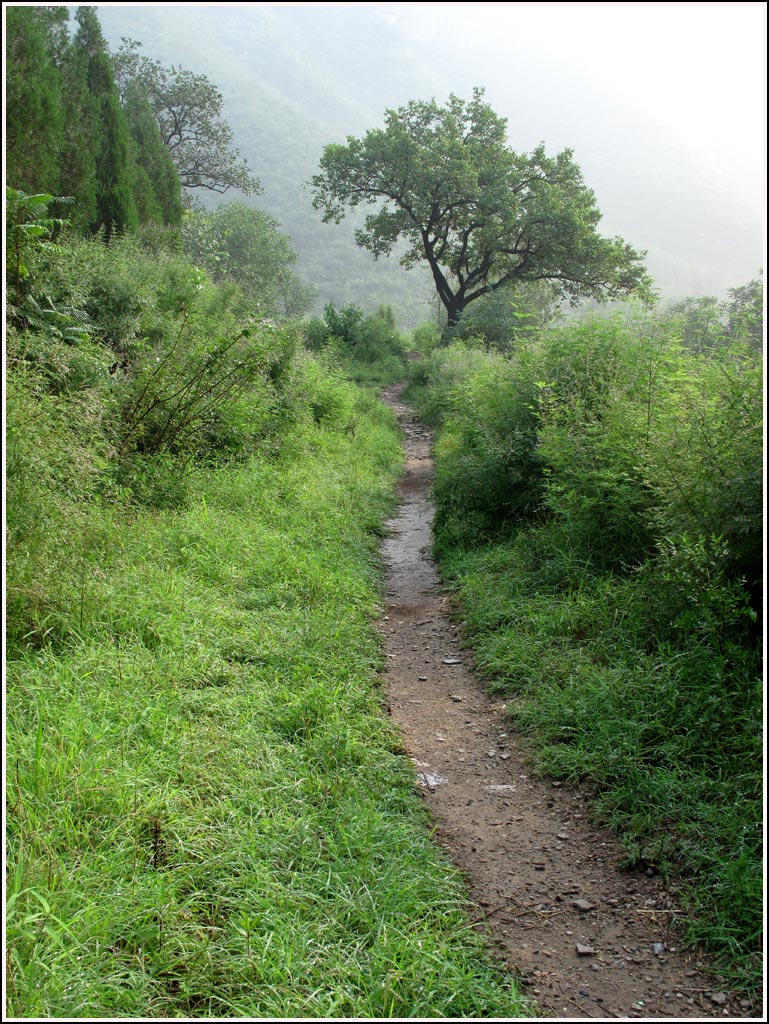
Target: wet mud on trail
586 939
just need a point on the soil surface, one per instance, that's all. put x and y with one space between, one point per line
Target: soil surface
586 939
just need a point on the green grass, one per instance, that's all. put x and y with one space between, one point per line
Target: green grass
662 717
209 814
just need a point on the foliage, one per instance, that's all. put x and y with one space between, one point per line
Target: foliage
745 313
368 339
616 430
705 457
34 106
188 110
104 127
368 348
183 388
481 215
706 323
488 467
345 324
509 317
158 189
620 605
426 337
163 355
700 321
243 245
68 131
30 230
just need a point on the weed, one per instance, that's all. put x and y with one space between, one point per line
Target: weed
598 510
208 813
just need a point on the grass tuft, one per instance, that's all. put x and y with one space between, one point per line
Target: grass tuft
208 813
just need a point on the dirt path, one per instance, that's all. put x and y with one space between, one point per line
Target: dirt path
586 939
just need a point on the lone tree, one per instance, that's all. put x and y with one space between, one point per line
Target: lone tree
447 183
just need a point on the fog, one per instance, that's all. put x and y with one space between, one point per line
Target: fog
662 103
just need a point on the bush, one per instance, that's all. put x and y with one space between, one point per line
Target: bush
509 318
488 471
426 338
623 614
706 456
326 394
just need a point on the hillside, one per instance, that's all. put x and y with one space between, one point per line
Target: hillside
284 106
296 78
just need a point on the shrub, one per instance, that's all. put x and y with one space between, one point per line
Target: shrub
426 338
488 469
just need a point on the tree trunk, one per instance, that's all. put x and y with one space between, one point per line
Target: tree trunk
454 311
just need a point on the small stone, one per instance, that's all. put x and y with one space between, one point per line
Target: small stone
491 753
719 998
659 948
562 835
584 905
422 679
504 757
452 661
457 698
430 780
584 950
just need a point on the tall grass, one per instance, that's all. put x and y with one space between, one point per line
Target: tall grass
599 514
208 812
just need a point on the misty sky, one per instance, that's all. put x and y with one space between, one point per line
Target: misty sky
662 103
697 70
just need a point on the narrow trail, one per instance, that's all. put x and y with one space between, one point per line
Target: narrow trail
586 939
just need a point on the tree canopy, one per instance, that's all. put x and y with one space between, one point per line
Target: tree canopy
69 134
446 183
188 109
240 244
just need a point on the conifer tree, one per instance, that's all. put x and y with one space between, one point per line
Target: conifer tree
34 105
105 130
157 189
